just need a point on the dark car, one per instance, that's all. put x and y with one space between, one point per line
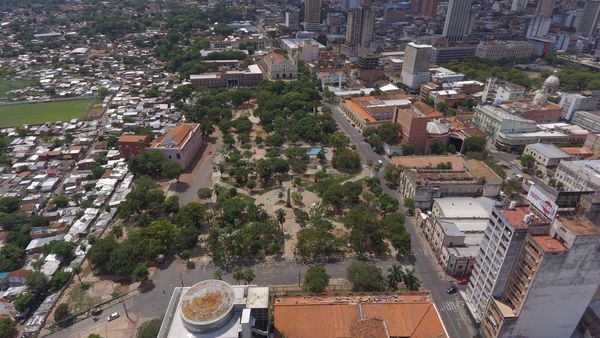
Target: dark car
451 290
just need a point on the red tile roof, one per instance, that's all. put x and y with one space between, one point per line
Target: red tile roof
549 244
403 315
133 138
176 136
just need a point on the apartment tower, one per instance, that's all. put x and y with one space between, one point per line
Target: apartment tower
502 241
589 20
542 19
415 70
553 280
359 30
312 15
426 8
458 20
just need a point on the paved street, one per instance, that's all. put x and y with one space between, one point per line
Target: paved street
451 307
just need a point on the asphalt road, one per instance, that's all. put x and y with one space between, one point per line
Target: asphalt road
451 307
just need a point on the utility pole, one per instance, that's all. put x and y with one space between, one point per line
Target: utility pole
122 301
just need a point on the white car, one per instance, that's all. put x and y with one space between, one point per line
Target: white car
380 162
113 316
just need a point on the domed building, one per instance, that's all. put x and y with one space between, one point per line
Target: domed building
551 85
540 98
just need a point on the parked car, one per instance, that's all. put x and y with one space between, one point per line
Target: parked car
96 311
353 146
113 316
463 281
451 290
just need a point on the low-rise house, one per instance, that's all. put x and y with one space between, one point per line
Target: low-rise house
18 277
131 145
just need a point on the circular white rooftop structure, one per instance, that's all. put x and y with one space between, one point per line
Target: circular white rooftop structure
207 305
552 81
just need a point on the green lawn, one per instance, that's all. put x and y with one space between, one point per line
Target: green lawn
39 113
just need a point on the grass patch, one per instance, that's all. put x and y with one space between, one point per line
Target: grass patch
7 85
40 113
81 300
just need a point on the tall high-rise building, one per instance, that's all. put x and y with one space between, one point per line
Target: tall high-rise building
292 20
518 5
553 279
415 6
538 26
359 30
458 20
589 20
501 244
428 8
334 22
544 8
312 15
541 20
415 70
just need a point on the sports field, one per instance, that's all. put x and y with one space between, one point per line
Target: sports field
39 113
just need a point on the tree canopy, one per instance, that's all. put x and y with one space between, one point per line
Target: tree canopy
365 277
316 279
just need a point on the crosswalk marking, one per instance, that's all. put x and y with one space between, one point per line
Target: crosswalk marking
449 306
420 252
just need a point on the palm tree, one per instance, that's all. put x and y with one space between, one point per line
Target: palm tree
77 270
280 216
394 277
410 280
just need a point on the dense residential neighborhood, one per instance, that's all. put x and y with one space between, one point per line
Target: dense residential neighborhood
317 168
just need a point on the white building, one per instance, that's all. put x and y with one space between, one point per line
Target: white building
581 175
415 70
545 155
455 231
498 50
215 309
572 102
278 67
497 91
180 144
302 49
492 120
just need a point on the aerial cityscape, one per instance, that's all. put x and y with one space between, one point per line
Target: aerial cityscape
303 169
